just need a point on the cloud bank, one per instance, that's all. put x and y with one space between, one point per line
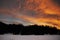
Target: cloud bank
41 12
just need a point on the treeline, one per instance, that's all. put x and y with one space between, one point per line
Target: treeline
28 30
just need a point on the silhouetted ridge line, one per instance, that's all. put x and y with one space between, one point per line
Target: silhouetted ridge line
28 30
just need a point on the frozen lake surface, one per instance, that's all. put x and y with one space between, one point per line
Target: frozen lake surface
29 37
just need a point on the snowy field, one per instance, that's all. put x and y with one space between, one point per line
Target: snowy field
29 37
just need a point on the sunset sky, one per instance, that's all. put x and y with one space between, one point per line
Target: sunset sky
27 12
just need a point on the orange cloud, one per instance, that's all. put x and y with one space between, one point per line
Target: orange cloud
44 7
47 13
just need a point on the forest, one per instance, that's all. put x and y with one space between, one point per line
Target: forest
20 29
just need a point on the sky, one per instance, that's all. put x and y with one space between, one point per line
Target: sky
28 12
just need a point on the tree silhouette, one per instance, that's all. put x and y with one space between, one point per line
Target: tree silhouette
28 30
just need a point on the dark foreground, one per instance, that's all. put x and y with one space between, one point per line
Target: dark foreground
28 30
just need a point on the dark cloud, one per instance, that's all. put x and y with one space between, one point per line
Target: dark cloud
30 13
57 2
8 3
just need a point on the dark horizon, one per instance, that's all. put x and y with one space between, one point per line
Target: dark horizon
28 30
